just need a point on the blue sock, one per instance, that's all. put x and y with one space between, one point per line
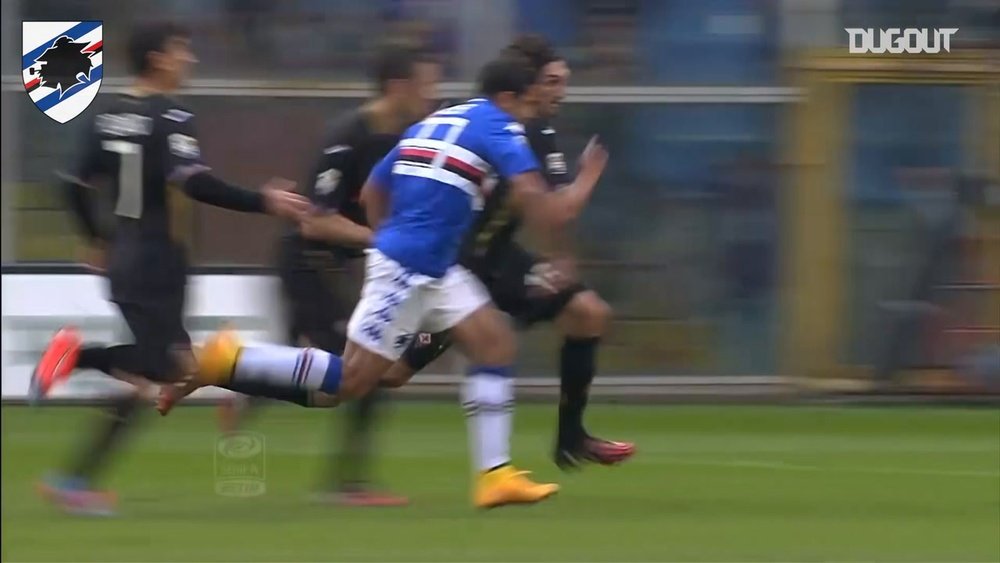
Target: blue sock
331 379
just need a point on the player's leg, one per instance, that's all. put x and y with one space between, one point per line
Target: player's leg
531 291
583 321
158 330
388 313
422 351
309 318
348 479
485 337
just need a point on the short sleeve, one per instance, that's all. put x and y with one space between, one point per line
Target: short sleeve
507 149
338 164
89 163
183 150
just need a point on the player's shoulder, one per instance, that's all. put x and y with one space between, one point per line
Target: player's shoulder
346 128
169 109
541 129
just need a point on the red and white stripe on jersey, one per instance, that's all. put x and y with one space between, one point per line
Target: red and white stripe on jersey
442 161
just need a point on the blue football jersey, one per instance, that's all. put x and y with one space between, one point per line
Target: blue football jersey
434 178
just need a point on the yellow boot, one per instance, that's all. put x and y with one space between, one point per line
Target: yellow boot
217 357
508 485
216 360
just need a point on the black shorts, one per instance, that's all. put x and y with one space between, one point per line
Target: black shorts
157 326
320 292
516 281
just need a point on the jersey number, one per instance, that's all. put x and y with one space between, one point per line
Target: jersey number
455 126
129 177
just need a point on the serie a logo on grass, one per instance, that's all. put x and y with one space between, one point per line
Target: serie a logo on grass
239 465
895 40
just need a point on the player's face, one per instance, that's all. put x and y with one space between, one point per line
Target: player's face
524 107
176 59
552 87
423 89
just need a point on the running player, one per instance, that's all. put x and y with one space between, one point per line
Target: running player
421 199
529 287
321 266
144 145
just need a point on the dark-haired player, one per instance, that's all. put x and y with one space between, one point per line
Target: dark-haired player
421 199
321 263
143 146
529 287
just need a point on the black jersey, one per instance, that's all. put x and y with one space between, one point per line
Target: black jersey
137 145
352 147
497 224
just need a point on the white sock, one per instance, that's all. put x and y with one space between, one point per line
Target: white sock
283 366
488 400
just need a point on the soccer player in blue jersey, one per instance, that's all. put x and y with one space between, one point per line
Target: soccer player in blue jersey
421 199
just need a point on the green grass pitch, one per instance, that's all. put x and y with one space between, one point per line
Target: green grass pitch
708 484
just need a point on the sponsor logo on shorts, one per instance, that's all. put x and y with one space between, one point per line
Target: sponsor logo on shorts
239 465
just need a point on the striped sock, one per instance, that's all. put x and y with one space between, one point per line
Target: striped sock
286 366
488 399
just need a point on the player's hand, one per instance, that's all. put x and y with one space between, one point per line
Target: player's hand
95 257
312 225
564 271
281 200
549 278
594 158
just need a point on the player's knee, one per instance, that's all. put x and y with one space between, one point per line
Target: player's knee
397 376
360 374
502 349
351 378
589 315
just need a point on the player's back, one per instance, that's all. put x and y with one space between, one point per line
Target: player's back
136 144
437 173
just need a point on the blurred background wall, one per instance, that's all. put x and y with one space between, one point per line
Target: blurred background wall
774 206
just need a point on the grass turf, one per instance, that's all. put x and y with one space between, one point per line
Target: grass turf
709 484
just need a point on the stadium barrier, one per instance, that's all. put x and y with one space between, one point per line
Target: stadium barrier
36 304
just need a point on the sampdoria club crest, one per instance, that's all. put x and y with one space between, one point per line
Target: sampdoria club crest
62 65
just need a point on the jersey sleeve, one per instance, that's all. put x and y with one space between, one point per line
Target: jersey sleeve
382 172
89 163
546 148
183 151
338 161
507 149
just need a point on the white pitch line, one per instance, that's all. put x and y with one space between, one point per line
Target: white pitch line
783 466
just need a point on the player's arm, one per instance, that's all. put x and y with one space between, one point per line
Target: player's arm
578 190
187 169
78 188
375 192
339 161
542 208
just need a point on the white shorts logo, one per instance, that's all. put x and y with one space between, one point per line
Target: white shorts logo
895 40
62 64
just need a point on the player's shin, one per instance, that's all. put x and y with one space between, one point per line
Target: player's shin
302 397
488 400
288 367
577 365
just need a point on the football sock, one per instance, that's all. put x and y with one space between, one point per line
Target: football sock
577 364
288 367
259 392
349 465
112 429
103 358
488 400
